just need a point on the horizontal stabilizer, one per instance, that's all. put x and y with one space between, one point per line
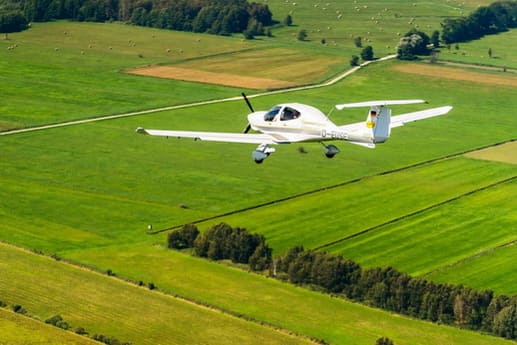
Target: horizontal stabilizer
379 103
400 120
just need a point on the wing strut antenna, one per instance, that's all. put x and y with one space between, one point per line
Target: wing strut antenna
330 113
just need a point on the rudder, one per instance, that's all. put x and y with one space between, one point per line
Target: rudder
378 121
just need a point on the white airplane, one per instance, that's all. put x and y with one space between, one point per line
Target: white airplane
295 122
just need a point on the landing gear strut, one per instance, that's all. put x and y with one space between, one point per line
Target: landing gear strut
261 153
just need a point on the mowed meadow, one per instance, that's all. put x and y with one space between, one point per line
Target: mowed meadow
88 192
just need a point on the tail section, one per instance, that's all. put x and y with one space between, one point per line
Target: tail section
378 121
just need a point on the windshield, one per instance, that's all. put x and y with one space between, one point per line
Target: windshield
270 115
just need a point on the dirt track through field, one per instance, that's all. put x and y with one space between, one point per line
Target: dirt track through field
457 74
199 76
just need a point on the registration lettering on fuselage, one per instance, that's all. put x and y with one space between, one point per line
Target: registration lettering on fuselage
334 134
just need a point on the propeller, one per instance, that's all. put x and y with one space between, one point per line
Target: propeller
248 127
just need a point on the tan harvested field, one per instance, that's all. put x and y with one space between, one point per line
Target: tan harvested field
457 74
506 153
268 68
199 76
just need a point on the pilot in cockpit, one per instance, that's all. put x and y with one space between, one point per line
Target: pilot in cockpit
289 114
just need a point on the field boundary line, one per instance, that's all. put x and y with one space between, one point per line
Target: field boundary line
414 213
329 82
168 294
322 189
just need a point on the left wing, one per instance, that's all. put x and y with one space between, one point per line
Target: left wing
212 136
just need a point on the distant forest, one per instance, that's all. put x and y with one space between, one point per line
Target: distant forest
485 20
222 17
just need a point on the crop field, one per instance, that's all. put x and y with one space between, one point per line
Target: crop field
88 192
268 68
493 79
88 299
187 74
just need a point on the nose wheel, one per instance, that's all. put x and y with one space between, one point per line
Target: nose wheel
261 153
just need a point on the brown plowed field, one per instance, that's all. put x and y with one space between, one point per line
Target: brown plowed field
457 74
226 79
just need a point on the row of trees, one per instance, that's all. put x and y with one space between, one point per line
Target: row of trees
497 17
389 289
222 242
211 16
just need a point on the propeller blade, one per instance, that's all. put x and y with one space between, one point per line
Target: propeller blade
248 127
248 102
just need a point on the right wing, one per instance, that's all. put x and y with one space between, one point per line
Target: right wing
212 136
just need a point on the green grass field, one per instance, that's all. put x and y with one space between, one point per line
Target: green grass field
476 52
333 214
88 192
379 23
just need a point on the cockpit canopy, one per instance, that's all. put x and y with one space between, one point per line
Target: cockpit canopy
286 113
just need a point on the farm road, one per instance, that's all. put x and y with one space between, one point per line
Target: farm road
196 104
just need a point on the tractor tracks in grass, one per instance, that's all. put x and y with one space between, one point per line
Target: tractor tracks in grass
485 252
417 212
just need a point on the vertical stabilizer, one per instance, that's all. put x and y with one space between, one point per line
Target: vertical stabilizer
378 122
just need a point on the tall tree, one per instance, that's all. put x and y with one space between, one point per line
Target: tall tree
367 53
12 22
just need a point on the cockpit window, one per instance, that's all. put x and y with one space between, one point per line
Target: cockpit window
270 115
289 114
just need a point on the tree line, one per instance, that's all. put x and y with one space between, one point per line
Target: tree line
222 242
485 20
384 288
222 17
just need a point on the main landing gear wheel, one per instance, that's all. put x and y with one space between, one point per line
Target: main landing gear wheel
330 151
